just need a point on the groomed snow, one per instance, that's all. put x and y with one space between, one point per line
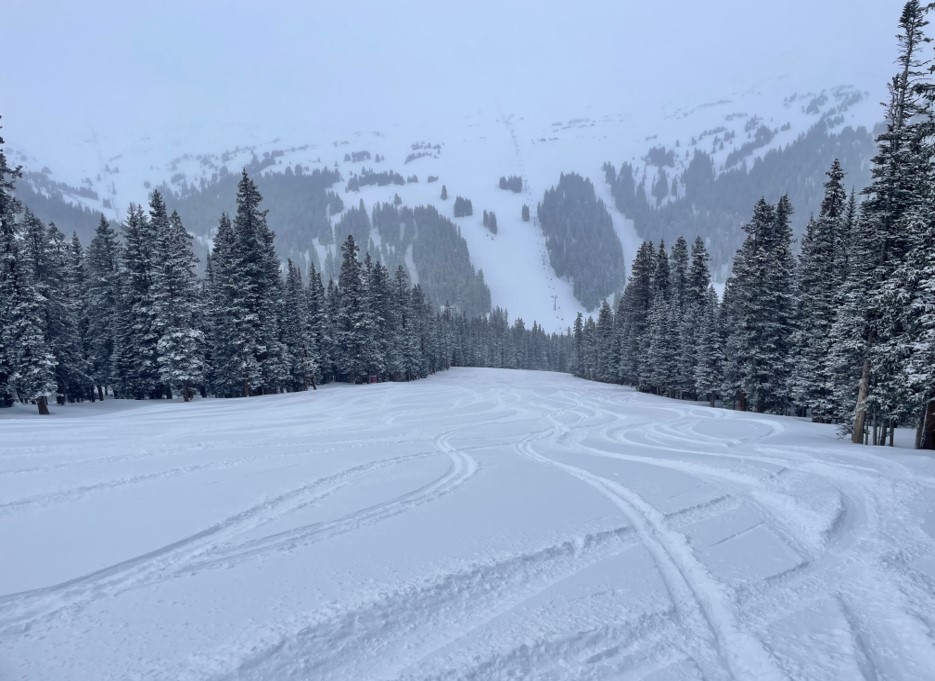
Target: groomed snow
480 524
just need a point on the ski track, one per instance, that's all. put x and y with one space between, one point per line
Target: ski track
841 511
19 610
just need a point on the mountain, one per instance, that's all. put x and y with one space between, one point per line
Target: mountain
315 180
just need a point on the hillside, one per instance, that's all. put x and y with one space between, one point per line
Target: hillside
745 135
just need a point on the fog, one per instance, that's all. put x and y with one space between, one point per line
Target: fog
124 69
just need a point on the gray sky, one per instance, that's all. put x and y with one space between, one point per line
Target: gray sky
140 67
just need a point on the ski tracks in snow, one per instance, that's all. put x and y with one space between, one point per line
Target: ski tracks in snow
680 482
211 548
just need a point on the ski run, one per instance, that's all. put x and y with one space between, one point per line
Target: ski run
480 524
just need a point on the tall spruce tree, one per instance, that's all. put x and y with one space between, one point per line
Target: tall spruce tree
351 322
27 367
764 272
224 372
257 296
135 355
865 335
820 259
633 323
103 280
181 341
296 335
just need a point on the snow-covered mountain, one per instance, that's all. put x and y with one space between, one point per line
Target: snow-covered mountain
105 173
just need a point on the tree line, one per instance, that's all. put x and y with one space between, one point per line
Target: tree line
843 333
128 317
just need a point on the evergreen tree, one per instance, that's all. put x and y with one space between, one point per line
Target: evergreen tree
181 342
27 368
708 357
633 320
351 320
75 285
103 280
135 355
9 275
258 294
320 343
297 337
818 272
902 174
606 369
224 372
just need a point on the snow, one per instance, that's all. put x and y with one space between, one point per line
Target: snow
480 524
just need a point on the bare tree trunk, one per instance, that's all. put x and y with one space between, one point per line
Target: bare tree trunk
314 387
892 433
927 440
100 393
187 394
246 388
43 404
741 403
860 416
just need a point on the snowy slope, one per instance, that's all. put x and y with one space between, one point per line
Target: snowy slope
480 524
475 151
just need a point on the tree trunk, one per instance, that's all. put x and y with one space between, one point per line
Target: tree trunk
187 394
314 387
927 441
857 436
892 433
246 388
741 403
43 404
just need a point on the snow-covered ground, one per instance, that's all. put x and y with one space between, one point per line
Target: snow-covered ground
481 524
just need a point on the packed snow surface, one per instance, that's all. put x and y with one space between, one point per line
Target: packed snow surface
481 524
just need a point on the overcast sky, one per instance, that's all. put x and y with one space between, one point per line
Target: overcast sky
148 67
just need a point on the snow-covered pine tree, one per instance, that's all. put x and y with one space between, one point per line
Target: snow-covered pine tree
864 342
655 364
103 279
394 330
75 288
692 318
45 257
224 372
180 347
607 362
902 362
732 325
811 385
23 336
633 324
764 272
709 354
9 270
135 355
577 362
320 332
297 338
351 320
374 300
257 296
27 367
383 317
